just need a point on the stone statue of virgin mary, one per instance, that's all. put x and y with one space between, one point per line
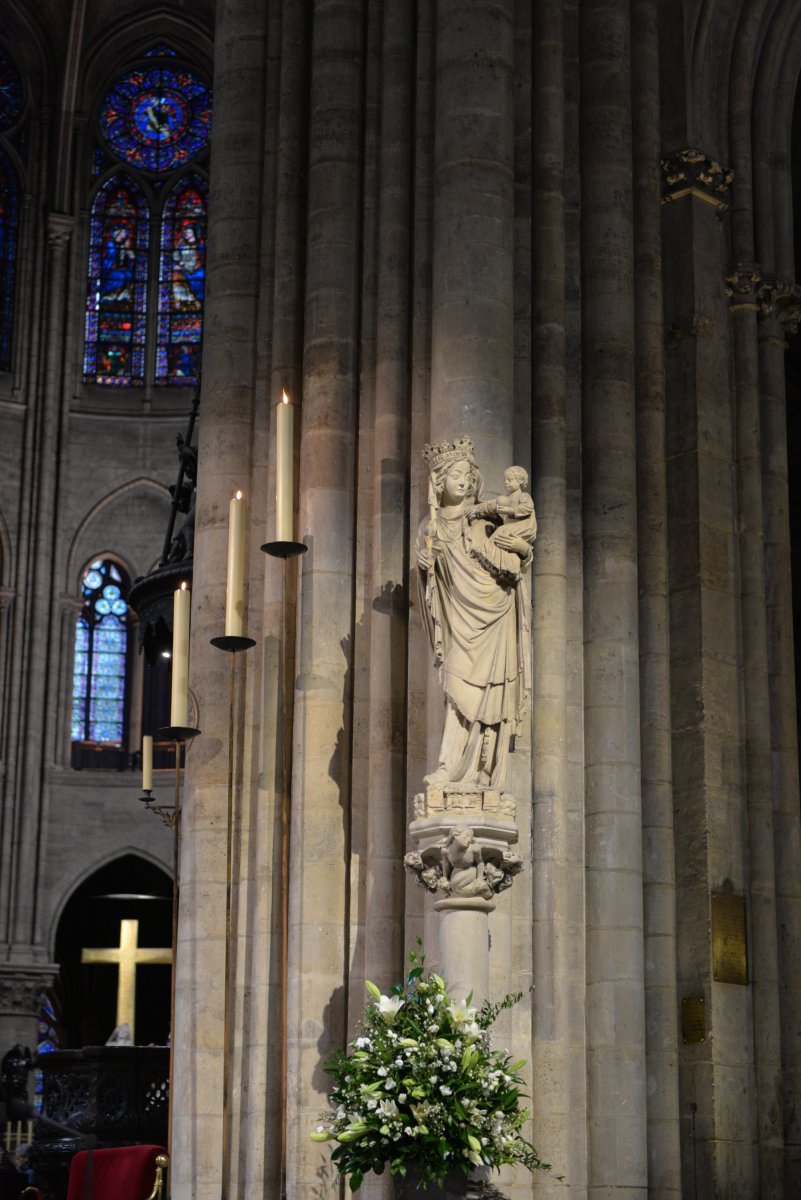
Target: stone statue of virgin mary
473 559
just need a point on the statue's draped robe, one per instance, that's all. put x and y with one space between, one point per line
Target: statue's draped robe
480 632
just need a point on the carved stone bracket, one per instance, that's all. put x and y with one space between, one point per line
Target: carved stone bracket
463 837
690 172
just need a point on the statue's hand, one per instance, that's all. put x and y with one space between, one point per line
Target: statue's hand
473 513
425 559
509 541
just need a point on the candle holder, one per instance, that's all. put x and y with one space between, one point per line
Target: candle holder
177 733
232 644
165 811
284 549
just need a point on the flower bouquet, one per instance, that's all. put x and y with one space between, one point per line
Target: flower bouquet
421 1088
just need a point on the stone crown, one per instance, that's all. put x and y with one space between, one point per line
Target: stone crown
456 451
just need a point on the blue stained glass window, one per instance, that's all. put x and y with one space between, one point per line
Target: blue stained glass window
182 283
101 651
9 223
116 303
11 95
160 50
157 118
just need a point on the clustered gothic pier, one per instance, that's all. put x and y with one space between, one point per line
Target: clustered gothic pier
553 237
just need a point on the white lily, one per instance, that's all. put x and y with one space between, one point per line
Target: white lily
460 1012
389 1007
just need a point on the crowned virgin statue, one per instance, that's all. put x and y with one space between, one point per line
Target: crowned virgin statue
473 559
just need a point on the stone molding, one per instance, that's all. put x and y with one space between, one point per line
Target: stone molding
20 986
460 799
690 172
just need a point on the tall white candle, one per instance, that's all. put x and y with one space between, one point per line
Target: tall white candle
147 763
284 470
179 706
235 586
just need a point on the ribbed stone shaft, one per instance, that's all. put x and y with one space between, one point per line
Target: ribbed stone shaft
616 1138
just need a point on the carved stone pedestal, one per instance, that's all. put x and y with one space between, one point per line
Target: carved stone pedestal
463 834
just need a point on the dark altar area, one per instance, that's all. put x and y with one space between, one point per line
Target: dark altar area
110 1095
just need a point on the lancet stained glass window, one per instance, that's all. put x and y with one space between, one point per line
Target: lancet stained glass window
157 118
101 654
182 281
9 223
11 94
116 304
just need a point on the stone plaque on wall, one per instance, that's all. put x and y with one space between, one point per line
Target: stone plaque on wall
729 958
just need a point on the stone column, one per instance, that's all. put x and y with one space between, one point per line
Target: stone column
661 1003
553 1058
225 463
34 619
708 788
472 360
780 309
472 321
763 950
318 949
616 1133
386 825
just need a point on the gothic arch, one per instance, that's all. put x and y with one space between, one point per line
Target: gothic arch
91 868
134 546
25 40
129 38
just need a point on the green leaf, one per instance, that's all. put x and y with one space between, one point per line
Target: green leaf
356 1180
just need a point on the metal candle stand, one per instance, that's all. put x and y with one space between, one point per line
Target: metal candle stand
284 550
233 645
170 814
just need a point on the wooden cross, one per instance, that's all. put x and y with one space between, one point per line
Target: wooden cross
128 955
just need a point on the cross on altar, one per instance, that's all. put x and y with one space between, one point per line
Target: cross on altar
128 956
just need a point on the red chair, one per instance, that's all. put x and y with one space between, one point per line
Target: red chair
120 1173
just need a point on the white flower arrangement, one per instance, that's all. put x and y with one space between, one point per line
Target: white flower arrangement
421 1085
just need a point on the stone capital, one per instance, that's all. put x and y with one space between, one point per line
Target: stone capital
743 287
20 986
59 230
779 309
690 172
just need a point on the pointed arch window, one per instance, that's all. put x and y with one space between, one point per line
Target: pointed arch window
116 303
9 225
182 282
102 643
153 127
